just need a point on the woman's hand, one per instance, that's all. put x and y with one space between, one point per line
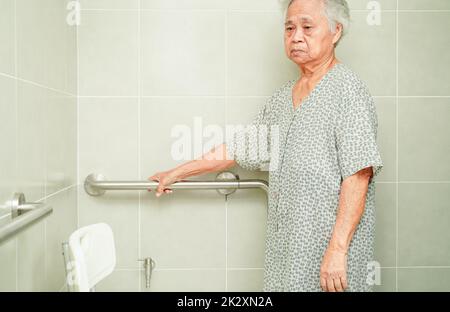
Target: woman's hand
165 178
333 271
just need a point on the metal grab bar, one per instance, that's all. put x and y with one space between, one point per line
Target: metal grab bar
225 183
23 214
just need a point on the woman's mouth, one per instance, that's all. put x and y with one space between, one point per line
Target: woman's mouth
297 51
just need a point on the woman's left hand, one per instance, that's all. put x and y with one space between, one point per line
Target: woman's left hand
333 271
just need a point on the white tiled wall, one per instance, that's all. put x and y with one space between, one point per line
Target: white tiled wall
147 65
108 54
38 137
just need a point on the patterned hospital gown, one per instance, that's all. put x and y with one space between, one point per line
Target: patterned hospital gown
330 136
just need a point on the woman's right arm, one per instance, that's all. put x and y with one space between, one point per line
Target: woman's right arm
213 161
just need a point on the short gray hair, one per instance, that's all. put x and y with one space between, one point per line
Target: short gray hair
337 12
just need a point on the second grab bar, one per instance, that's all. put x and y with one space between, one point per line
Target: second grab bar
22 214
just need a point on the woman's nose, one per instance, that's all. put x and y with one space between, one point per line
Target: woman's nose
298 36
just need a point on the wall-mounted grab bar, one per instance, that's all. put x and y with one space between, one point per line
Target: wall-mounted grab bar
225 183
22 214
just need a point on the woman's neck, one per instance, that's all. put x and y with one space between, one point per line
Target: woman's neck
312 71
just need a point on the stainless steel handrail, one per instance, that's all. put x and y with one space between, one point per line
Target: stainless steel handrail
23 214
96 184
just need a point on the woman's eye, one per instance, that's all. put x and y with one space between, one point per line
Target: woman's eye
307 27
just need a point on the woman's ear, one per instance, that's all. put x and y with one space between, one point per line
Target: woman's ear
338 33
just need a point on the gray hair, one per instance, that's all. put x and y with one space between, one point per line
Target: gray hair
337 12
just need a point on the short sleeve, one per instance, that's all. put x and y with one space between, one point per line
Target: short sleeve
356 134
249 144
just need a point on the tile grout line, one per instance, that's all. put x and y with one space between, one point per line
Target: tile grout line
411 182
45 252
57 192
190 269
422 182
174 96
236 96
423 96
16 164
396 145
412 267
254 10
46 181
77 30
139 135
37 84
419 267
226 110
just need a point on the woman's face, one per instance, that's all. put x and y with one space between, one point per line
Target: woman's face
307 35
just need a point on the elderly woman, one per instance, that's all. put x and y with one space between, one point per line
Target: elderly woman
321 217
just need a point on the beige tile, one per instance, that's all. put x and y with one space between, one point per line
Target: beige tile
166 123
248 5
59 225
120 281
120 211
108 137
424 280
242 110
7 37
214 4
108 53
183 4
183 53
8 139
420 72
245 280
246 228
61 141
387 282
363 5
423 224
423 5
386 140
370 50
186 281
423 139
31 258
46 44
109 4
31 156
185 229
257 64
385 228
8 264
108 145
